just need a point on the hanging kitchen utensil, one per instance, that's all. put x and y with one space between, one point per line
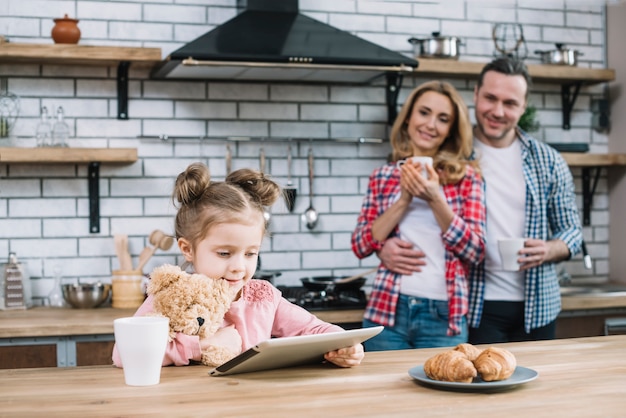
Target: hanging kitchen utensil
508 40
310 216
160 241
266 213
289 191
229 160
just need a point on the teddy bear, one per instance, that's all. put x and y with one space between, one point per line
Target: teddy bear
194 304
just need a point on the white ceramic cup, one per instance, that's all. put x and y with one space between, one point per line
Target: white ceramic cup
425 161
141 343
509 252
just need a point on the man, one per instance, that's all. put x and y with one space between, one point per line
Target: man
530 194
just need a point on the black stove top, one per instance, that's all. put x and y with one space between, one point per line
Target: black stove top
322 300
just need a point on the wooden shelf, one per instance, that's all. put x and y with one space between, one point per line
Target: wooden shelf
91 156
576 159
70 54
45 155
556 74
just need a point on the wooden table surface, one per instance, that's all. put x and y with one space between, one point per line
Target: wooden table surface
583 377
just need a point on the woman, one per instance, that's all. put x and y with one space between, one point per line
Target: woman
440 210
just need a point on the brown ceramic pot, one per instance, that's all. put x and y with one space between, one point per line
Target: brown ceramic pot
65 31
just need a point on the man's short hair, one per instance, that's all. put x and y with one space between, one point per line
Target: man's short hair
507 66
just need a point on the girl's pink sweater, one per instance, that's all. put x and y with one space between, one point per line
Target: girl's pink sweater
259 314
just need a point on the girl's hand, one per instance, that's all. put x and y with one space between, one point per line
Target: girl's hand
346 357
226 337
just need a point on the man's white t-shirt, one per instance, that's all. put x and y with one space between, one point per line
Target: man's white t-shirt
505 203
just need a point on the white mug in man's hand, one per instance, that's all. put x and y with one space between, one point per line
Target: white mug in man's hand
424 161
509 252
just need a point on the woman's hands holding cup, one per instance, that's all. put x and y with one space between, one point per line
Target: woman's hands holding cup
415 184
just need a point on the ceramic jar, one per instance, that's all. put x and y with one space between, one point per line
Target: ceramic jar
65 31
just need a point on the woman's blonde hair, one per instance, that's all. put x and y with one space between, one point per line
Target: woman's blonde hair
453 155
203 203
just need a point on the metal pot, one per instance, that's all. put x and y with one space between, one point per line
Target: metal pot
437 46
329 283
560 56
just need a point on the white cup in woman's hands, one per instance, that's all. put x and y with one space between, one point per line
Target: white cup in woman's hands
424 161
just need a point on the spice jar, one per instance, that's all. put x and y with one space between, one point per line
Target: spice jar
65 31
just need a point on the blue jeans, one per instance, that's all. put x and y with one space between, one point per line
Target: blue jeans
420 323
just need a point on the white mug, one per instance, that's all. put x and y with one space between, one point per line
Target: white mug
425 161
509 252
141 342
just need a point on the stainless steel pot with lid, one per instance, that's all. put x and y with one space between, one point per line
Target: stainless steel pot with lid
560 55
436 46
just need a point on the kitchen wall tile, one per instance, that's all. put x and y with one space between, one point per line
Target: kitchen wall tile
108 127
541 17
451 9
237 128
418 27
398 8
352 23
231 91
116 206
328 112
102 10
141 187
64 187
299 129
53 247
504 14
174 89
40 208
17 228
329 259
298 93
20 188
174 13
74 71
171 128
140 31
271 111
362 130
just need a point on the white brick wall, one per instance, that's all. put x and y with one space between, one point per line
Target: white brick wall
44 209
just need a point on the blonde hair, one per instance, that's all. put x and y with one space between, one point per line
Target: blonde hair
453 155
203 203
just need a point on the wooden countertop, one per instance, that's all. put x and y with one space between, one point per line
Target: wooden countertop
580 377
48 322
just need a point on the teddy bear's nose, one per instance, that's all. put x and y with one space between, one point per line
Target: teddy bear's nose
200 320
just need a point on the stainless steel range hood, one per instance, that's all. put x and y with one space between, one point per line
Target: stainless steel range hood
269 40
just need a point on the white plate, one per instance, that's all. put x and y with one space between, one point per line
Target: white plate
520 375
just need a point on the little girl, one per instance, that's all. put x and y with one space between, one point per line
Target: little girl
219 227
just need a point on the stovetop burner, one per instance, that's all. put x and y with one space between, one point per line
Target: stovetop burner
322 300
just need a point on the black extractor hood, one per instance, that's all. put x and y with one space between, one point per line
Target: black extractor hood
270 40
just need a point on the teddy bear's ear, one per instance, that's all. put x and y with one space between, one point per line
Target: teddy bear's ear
163 276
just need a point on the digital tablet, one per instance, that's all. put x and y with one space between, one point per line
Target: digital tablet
277 353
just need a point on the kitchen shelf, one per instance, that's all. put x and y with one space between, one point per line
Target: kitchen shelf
92 156
570 78
589 162
70 54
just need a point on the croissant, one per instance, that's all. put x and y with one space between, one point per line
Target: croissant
469 350
495 363
450 366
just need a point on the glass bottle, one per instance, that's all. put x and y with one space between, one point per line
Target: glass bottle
60 130
55 297
44 129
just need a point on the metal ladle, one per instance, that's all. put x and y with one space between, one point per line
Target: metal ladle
310 216
266 213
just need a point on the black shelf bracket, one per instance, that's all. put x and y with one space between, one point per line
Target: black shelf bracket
122 89
588 191
94 197
568 98
394 82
